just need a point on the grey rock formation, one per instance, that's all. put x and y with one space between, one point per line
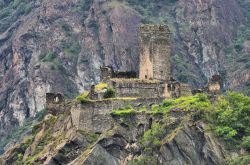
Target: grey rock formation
58 46
192 145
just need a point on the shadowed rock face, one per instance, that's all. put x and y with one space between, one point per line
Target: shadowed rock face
59 46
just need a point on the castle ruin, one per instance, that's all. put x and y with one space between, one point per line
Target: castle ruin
155 52
154 79
153 84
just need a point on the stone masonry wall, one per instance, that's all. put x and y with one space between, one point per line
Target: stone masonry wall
138 89
154 52
95 116
185 90
54 103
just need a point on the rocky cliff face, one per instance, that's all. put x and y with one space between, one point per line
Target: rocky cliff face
58 46
138 138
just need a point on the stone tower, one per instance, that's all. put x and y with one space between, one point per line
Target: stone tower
154 52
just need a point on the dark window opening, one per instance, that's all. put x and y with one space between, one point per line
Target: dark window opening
150 123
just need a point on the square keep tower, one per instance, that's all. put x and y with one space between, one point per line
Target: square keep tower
155 52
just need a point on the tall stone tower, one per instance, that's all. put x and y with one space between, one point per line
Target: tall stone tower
154 52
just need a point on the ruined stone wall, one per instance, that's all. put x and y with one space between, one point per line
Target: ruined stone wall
185 90
95 116
154 52
54 102
121 74
138 89
214 85
214 88
106 73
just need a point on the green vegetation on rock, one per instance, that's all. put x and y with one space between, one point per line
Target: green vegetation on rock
11 11
125 111
47 57
197 102
23 131
109 93
152 138
83 97
101 86
231 120
242 160
71 48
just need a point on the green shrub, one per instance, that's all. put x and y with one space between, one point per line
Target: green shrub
167 103
238 48
182 77
246 142
36 128
24 9
67 28
27 142
19 158
83 97
109 93
123 112
92 137
40 114
144 160
231 119
247 66
156 109
47 57
93 24
101 86
242 160
152 137
71 49
59 67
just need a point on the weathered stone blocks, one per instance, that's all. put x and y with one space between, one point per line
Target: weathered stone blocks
155 52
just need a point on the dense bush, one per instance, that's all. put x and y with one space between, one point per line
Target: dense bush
109 93
197 102
242 160
229 116
231 120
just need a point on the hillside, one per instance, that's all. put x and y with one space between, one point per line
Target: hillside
189 130
59 45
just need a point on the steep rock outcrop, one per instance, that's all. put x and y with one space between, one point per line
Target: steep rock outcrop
192 145
58 46
57 141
